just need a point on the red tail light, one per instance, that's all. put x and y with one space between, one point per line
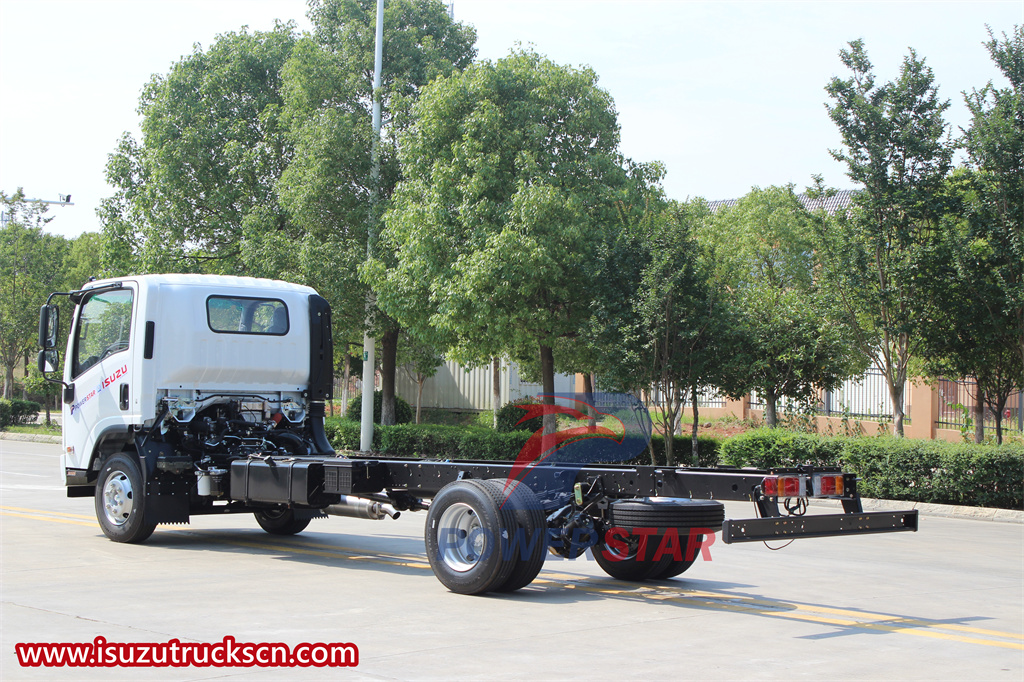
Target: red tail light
784 486
828 485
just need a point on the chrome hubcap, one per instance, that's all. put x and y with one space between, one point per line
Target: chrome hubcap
118 498
462 537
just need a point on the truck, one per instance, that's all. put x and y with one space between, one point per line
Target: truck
189 395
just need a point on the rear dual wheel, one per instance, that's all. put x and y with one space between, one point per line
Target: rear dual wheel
481 537
280 521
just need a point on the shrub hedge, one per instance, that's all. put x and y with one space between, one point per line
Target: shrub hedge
511 412
890 468
17 412
896 468
470 442
403 411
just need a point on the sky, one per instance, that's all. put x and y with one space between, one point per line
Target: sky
727 95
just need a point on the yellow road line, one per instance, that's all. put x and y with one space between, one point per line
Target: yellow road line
721 601
48 512
47 518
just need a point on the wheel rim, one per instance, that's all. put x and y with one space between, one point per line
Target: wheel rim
118 498
462 537
632 547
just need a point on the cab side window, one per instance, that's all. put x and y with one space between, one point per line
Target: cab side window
245 315
104 328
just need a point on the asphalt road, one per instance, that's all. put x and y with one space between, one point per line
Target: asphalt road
943 603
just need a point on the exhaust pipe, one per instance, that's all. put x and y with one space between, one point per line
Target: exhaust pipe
359 508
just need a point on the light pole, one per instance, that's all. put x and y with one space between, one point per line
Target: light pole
62 200
366 421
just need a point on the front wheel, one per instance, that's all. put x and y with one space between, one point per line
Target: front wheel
280 521
120 500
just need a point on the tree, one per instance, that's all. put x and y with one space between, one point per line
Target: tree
328 189
668 334
197 193
511 171
31 266
975 297
83 260
419 361
789 342
995 144
897 148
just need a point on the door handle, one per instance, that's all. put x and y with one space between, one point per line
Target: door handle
124 396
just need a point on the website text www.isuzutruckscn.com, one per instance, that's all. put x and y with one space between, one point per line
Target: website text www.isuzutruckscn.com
174 653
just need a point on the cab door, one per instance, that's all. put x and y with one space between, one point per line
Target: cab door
99 367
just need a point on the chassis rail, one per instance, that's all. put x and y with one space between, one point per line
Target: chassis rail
311 481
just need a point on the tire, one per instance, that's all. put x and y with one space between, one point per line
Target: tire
625 564
120 500
465 534
666 512
280 521
619 558
528 543
677 566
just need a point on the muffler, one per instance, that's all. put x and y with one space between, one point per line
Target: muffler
360 508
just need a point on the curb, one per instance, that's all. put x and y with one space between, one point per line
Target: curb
870 504
928 509
30 438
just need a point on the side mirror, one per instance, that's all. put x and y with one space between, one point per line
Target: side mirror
49 326
48 361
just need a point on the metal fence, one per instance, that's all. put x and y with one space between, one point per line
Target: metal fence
957 400
866 397
705 398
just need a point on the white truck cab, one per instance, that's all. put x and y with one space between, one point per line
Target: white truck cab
187 372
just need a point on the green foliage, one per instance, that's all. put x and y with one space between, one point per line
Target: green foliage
708 449
403 412
896 147
667 327
767 447
327 187
974 281
31 266
438 441
788 339
197 194
895 468
435 441
512 412
511 171
16 411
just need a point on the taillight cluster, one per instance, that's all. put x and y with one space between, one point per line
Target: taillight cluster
827 485
785 486
794 485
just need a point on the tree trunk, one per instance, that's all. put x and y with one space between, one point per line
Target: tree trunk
771 416
896 389
979 416
547 373
419 395
9 381
588 395
388 357
344 386
495 389
695 454
668 426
